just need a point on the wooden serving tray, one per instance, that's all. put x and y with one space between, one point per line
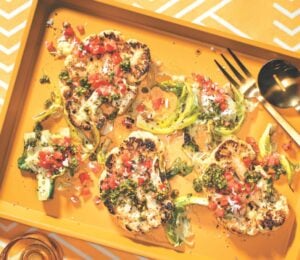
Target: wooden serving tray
182 48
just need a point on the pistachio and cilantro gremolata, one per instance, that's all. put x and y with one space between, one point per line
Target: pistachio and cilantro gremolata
133 185
240 191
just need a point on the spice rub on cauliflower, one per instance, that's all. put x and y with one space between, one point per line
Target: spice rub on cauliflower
133 185
240 192
100 77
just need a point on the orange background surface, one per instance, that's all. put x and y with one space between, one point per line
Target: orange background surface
276 22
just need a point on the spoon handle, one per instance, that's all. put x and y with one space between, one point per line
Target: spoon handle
281 121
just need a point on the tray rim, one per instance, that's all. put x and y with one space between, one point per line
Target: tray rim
8 211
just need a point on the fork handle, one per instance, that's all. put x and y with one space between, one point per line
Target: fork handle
283 123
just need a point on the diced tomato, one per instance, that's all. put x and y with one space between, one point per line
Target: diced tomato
43 155
58 155
250 140
220 98
112 182
140 107
126 160
109 183
147 164
104 186
84 177
102 91
212 205
219 212
205 83
116 58
141 181
228 176
67 141
50 161
50 46
223 106
235 186
94 41
247 187
123 88
237 198
80 29
162 186
230 184
127 164
247 161
68 32
85 192
44 158
96 81
224 201
97 49
118 71
110 46
157 103
199 78
78 53
272 160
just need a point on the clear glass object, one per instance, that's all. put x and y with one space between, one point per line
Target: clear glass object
32 246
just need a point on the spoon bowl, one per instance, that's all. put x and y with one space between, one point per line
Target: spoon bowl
279 84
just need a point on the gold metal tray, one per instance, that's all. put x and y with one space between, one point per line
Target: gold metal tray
182 48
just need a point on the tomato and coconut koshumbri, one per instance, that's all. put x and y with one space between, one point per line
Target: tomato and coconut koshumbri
133 186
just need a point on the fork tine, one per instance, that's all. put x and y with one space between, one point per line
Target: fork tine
236 73
241 65
233 82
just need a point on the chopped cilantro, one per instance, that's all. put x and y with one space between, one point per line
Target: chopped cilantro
84 83
197 185
45 79
64 75
22 163
252 177
125 65
179 167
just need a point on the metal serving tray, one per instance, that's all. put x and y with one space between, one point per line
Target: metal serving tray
182 48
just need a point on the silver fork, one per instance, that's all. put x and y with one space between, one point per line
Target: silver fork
248 87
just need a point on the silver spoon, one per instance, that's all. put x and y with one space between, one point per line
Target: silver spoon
279 84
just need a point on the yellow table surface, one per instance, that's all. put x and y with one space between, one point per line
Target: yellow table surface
270 21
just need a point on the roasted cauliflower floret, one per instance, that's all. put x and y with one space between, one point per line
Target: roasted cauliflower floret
240 192
133 186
